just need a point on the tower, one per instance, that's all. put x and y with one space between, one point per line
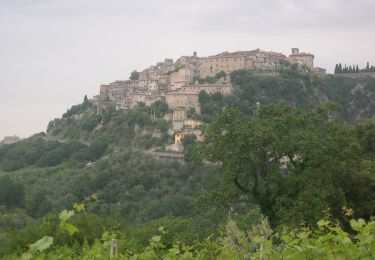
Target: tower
295 51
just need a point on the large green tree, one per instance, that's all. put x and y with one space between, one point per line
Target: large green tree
294 164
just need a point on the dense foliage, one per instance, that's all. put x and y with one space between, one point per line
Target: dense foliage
327 241
38 150
284 157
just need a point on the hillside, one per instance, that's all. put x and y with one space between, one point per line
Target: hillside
355 96
283 149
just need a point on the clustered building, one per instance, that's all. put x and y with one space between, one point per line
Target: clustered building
176 83
10 139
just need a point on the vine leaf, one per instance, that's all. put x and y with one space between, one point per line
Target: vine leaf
65 215
42 244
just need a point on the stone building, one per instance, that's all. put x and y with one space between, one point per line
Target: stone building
117 91
173 81
143 75
302 58
179 115
182 100
104 89
191 124
224 89
182 77
225 61
191 62
10 139
163 82
228 62
149 99
319 71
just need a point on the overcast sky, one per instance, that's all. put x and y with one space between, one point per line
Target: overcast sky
53 52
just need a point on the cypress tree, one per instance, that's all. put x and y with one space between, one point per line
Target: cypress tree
336 69
368 66
350 69
340 68
357 69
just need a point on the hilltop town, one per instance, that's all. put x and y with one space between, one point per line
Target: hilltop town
178 83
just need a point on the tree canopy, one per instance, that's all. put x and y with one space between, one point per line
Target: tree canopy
284 157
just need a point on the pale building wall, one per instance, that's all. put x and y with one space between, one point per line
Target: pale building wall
229 62
143 75
210 66
224 89
104 89
179 114
183 100
137 98
152 85
192 123
319 71
181 77
142 83
302 58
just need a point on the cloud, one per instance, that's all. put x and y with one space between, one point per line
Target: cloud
268 16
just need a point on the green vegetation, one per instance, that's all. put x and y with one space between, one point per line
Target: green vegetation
11 193
134 75
283 157
41 152
355 97
213 79
327 241
159 108
280 179
339 69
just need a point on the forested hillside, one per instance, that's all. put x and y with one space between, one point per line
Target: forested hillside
286 170
355 97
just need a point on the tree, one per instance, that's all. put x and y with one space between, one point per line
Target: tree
203 97
190 112
97 148
365 132
337 69
134 75
189 142
220 75
160 108
37 204
367 67
284 157
11 193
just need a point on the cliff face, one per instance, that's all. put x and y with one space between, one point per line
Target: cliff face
356 96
